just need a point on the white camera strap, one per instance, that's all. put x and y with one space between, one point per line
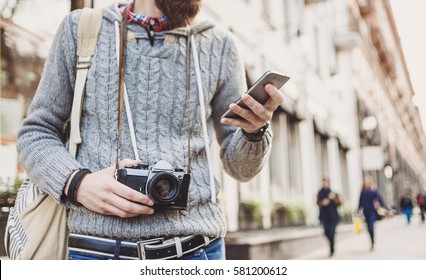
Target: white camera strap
126 98
203 120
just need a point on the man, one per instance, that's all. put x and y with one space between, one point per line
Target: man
106 218
406 206
328 202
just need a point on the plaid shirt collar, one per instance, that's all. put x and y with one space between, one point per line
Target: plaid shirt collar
157 24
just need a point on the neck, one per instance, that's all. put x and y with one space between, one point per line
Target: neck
147 8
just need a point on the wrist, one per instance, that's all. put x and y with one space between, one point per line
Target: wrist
255 135
251 131
75 181
67 184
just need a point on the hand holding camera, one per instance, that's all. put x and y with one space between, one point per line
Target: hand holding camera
166 186
101 193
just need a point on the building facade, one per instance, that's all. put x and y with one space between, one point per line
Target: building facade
348 110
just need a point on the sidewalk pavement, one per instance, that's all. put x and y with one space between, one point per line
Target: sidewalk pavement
395 240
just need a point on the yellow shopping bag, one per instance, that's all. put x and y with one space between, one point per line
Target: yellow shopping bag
357 224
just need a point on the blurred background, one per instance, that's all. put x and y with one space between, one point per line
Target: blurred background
353 107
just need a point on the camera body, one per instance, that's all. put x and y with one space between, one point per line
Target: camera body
166 186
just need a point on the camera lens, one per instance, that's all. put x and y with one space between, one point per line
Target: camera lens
163 188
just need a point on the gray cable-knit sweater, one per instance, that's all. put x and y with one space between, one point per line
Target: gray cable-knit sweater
155 77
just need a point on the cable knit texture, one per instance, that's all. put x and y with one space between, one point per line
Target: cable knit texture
156 83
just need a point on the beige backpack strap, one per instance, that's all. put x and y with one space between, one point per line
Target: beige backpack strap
89 27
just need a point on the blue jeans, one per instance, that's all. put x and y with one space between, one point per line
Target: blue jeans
408 212
213 251
370 219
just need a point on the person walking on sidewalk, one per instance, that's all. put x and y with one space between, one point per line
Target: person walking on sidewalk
328 202
406 206
368 203
421 202
109 219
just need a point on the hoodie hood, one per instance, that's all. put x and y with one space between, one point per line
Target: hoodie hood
112 13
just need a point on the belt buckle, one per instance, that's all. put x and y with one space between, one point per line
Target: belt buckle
141 246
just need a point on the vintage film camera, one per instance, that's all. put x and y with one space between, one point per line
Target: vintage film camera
166 186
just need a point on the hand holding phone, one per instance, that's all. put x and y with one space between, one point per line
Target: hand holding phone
258 92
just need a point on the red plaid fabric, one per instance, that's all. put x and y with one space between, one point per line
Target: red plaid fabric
157 24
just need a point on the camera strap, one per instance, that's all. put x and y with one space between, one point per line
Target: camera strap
203 119
188 93
121 62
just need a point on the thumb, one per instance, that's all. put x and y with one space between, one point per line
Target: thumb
127 162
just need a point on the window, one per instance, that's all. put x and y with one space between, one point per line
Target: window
266 11
317 47
344 173
321 155
285 160
293 17
278 164
294 157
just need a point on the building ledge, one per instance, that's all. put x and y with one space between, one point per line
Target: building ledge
256 237
277 243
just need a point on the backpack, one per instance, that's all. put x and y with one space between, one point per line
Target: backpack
37 226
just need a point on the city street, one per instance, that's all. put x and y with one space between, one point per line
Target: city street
395 240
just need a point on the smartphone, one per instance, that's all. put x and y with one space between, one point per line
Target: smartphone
258 92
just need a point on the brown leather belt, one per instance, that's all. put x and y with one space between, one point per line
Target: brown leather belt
149 249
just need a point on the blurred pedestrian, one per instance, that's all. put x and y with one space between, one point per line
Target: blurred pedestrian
406 206
421 202
328 201
369 201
